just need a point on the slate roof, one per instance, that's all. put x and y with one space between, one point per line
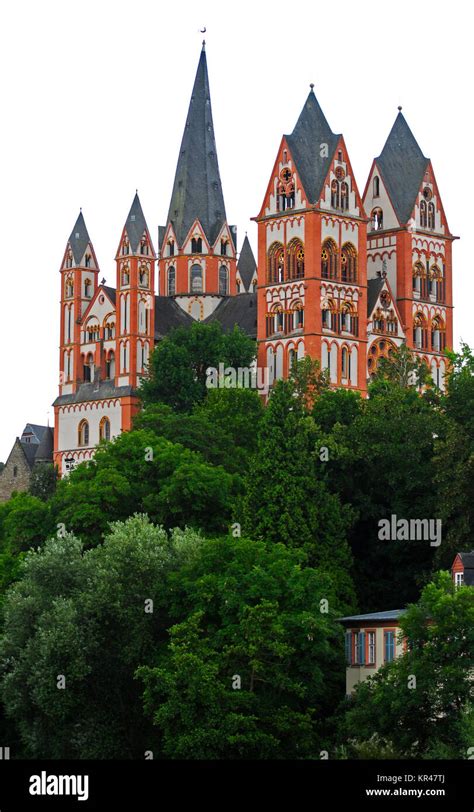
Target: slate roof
402 166
374 286
238 310
197 191
79 239
311 131
168 315
37 430
95 391
468 562
246 265
46 447
30 451
392 614
135 224
111 293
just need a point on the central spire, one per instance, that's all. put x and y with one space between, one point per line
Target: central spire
197 191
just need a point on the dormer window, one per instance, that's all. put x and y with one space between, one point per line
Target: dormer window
339 155
196 245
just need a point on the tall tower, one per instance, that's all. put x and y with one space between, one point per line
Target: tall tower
135 260
409 240
79 273
312 284
197 264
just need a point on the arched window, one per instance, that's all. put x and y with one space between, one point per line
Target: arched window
423 214
125 246
196 245
431 216
125 276
171 281
348 263
171 248
144 247
224 248
87 259
143 276
196 279
69 287
291 358
376 186
298 316
329 315
335 194
382 348
378 322
392 323
69 260
104 429
110 366
278 316
346 318
420 332
15 471
295 259
83 434
419 279
87 288
438 334
345 363
344 195
377 219
329 259
275 260
223 281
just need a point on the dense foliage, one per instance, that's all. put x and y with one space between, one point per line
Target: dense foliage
186 584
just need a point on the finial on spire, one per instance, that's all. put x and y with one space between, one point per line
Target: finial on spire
399 108
312 86
204 45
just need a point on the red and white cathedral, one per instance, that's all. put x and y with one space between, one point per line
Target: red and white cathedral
340 276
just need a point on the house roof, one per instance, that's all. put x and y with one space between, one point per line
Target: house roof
135 224
392 614
29 450
45 449
246 265
467 559
402 166
310 133
374 287
197 190
168 315
36 430
97 390
111 293
238 310
79 239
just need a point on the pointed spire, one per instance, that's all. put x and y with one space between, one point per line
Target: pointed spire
197 191
135 224
246 265
312 144
402 166
79 239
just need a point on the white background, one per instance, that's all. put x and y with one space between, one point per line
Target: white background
94 96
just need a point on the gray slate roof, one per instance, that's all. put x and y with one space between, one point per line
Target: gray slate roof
135 224
46 447
30 450
38 431
79 239
95 391
197 191
402 166
111 293
237 310
392 614
168 315
467 559
374 286
311 131
246 265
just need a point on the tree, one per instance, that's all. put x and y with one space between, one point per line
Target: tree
254 663
91 618
403 368
25 521
287 499
422 702
43 480
178 365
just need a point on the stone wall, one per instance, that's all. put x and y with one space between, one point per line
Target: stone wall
16 474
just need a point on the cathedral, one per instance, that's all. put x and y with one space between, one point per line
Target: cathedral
340 276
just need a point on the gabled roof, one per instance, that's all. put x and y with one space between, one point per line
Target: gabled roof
237 310
305 143
402 166
46 447
168 315
29 451
246 265
111 293
197 191
374 287
36 430
467 559
79 239
392 614
135 224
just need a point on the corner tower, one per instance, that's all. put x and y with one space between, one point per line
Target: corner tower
409 240
197 247
312 285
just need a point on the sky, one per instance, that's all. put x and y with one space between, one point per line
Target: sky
94 97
